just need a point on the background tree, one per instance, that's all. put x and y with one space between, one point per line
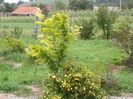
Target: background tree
111 2
1 1
124 35
60 5
20 2
9 7
31 0
105 19
130 4
80 4
34 5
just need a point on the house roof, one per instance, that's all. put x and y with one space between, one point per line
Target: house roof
26 10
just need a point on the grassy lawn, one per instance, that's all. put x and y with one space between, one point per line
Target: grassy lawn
97 54
125 79
11 25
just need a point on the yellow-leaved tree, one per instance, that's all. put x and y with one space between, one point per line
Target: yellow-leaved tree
54 39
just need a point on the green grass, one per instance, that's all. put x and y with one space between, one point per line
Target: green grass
11 25
13 79
125 80
97 54
93 51
22 19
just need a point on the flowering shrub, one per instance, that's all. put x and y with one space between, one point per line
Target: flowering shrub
74 81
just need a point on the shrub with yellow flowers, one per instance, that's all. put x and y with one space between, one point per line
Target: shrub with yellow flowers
73 81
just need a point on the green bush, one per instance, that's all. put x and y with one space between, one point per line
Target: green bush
124 35
105 20
86 32
74 81
15 44
81 4
60 5
13 39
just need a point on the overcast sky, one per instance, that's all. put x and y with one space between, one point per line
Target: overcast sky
14 1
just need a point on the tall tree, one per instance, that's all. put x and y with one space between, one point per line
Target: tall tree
20 2
105 20
60 5
130 4
1 1
80 4
9 7
31 0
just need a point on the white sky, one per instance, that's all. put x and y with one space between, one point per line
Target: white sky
14 1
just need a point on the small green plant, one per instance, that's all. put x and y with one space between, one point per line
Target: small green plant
74 81
13 41
4 32
16 33
14 44
105 19
86 32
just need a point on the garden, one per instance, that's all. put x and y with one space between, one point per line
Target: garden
75 55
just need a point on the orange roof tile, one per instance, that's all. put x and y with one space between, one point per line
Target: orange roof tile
26 10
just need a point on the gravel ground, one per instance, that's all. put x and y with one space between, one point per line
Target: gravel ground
12 96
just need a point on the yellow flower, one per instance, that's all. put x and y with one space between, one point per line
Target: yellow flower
54 76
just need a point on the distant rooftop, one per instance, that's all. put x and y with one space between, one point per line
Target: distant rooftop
25 10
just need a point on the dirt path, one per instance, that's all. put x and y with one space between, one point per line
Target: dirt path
14 64
36 93
120 97
13 96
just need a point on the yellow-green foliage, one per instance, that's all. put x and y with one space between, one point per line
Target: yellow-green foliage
74 81
56 35
14 44
12 38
